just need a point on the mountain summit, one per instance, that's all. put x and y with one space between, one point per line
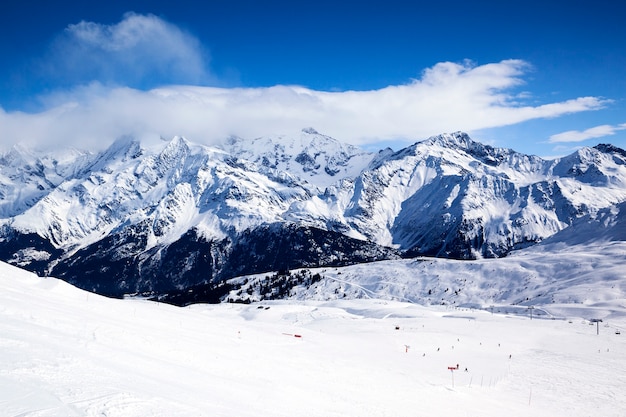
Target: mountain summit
176 214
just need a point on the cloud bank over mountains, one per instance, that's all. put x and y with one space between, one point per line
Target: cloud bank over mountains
146 77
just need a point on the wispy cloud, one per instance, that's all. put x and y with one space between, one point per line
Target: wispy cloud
140 51
591 133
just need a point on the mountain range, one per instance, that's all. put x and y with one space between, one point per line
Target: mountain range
172 215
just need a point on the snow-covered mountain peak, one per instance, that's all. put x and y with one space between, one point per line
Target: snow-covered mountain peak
600 165
310 130
451 140
24 158
457 152
176 147
17 155
611 149
313 157
27 175
486 154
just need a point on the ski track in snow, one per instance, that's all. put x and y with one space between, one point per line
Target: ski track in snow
65 352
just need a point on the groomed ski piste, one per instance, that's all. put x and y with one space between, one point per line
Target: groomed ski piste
66 352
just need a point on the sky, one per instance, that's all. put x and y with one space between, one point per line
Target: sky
541 77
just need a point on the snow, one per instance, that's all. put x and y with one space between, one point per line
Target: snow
554 273
314 158
366 340
27 255
68 352
447 195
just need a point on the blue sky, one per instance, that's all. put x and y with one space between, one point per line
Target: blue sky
541 77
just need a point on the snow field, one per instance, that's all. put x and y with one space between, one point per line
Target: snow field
65 352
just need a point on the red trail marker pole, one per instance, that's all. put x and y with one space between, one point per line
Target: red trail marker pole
452 369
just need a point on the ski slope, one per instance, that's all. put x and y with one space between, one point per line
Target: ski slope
65 352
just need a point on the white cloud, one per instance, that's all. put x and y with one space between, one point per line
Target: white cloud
140 51
448 97
591 133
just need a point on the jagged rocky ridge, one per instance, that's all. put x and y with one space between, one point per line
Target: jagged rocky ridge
172 215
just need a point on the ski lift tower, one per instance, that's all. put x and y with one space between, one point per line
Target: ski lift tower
597 322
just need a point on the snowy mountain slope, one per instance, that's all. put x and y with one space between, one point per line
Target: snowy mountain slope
120 263
580 266
606 226
68 352
172 214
